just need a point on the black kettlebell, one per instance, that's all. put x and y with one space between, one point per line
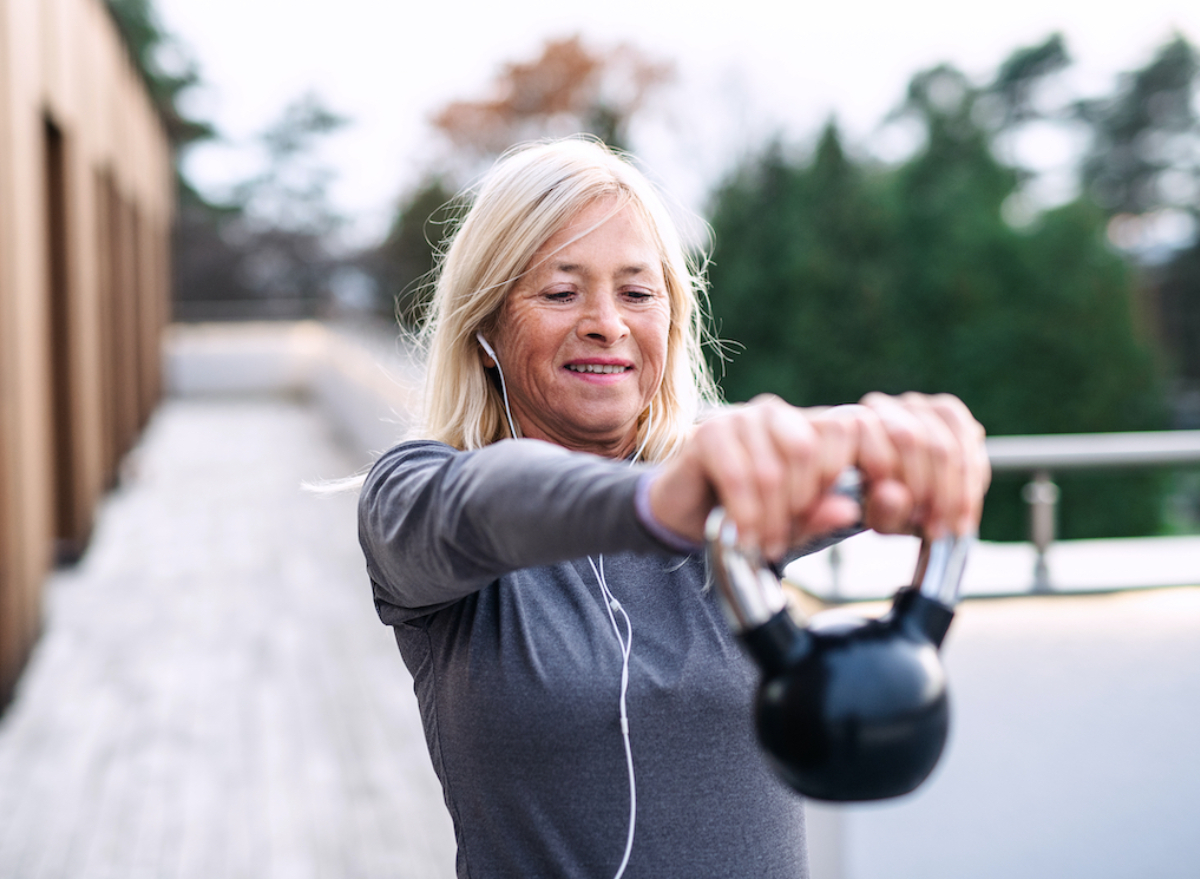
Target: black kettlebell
849 708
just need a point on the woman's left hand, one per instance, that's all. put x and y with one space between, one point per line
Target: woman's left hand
924 464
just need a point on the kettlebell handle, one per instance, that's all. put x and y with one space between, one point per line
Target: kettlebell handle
753 594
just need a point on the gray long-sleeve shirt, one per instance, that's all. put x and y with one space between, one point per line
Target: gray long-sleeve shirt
479 562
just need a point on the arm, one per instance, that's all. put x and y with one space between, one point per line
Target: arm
436 524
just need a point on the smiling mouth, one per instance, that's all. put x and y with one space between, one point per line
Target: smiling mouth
597 368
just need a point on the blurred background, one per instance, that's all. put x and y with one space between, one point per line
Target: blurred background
999 202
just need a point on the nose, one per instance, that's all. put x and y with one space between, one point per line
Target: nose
602 319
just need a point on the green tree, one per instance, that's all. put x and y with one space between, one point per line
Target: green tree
1142 154
403 265
1143 166
150 44
266 251
1019 78
801 252
840 277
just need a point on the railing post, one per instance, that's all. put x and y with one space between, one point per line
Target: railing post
1042 496
835 572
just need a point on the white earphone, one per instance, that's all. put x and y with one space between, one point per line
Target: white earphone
512 428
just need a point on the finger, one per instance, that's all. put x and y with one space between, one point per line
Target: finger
837 433
976 468
743 465
877 458
887 502
905 432
769 474
797 442
888 507
830 513
725 464
838 429
945 467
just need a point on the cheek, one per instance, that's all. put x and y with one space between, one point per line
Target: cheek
654 357
656 339
520 336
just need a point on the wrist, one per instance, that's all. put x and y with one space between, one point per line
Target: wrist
665 535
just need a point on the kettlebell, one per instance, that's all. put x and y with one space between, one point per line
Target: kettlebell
848 708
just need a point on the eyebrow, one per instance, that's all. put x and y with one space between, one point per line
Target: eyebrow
571 268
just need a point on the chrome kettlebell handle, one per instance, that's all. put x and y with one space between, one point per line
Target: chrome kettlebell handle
940 567
752 593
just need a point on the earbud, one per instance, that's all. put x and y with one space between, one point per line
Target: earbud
488 348
512 427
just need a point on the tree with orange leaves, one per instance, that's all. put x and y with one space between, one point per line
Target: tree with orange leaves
569 88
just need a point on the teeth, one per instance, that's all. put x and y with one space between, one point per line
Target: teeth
602 369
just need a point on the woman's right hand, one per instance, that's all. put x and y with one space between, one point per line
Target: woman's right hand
771 465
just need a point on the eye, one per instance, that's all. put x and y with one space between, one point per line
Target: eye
559 295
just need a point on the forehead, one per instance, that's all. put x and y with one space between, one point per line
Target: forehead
606 225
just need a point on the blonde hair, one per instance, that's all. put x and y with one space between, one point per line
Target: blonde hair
531 193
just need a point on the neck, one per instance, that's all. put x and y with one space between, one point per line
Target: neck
617 448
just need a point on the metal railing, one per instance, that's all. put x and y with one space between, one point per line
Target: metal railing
1040 456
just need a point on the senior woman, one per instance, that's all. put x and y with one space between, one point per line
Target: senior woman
537 551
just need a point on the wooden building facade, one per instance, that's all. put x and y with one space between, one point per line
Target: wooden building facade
86 201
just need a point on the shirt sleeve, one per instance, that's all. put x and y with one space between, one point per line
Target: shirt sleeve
437 524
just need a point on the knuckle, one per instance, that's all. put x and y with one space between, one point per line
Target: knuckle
940 449
733 484
799 445
904 435
767 474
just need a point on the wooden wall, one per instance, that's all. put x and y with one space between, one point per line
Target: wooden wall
86 201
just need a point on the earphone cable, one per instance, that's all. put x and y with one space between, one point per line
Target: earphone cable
611 604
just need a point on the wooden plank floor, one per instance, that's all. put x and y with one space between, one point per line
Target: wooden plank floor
213 695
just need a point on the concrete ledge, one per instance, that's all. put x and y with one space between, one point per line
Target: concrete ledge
871 566
362 379
368 384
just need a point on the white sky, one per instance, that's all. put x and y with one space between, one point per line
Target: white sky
745 68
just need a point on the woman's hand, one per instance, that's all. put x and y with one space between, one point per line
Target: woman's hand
771 466
932 469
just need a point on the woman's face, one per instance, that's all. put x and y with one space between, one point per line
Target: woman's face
582 337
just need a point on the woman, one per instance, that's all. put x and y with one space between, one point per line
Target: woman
586 709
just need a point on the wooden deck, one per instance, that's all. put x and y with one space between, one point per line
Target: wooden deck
213 695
